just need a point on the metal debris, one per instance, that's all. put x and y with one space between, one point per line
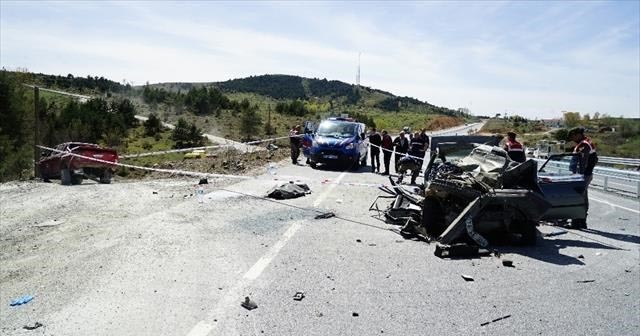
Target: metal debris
507 263
249 304
585 281
495 320
467 277
299 296
325 215
354 314
34 326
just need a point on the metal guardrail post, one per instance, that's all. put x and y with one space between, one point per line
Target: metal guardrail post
638 189
605 184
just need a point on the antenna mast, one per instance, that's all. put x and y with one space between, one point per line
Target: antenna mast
358 73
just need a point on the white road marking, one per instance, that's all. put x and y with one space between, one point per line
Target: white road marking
233 296
613 205
329 190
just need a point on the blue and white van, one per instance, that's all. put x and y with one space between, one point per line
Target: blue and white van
337 141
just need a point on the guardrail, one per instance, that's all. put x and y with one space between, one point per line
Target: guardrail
619 161
609 179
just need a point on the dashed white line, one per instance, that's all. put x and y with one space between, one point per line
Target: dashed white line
233 295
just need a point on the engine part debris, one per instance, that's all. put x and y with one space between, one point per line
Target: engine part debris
456 250
325 215
507 263
33 327
249 304
289 190
299 296
467 277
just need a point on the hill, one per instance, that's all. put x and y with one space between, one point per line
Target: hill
336 93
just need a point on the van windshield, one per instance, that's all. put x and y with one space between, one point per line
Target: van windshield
337 129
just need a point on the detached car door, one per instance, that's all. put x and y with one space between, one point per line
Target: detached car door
562 188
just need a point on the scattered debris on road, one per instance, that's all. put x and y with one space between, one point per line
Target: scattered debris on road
289 190
354 314
495 320
34 326
20 301
339 201
507 263
249 304
299 296
467 277
325 215
581 257
358 241
585 281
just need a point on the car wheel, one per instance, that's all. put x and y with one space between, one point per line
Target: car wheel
313 164
364 161
65 176
106 176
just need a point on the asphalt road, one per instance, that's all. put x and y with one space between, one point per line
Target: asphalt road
140 258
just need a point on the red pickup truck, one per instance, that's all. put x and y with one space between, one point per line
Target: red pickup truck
71 169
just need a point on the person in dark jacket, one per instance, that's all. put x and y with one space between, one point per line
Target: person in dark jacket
387 148
401 144
583 163
514 148
417 149
376 141
296 142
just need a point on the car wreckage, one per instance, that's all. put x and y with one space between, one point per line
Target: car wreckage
473 195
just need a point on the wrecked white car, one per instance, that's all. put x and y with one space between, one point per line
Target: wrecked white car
483 197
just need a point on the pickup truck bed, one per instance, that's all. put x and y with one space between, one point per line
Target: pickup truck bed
71 169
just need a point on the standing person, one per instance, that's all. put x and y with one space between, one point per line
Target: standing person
425 139
387 150
296 142
583 163
514 148
401 144
417 150
376 141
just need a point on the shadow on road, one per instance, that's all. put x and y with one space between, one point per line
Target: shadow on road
548 250
629 238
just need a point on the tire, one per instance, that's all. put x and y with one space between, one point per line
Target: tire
44 176
356 164
313 164
106 176
76 179
65 176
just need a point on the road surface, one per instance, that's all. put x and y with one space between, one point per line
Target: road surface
146 258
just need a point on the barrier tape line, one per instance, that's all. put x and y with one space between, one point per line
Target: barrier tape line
213 175
238 144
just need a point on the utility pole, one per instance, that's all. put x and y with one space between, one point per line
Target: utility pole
269 120
36 129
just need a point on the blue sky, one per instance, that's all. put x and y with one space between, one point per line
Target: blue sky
529 58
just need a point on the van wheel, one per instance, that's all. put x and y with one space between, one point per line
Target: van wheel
65 176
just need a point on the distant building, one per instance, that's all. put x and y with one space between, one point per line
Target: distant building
554 123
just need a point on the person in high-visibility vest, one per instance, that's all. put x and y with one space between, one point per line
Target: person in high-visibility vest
514 148
583 163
